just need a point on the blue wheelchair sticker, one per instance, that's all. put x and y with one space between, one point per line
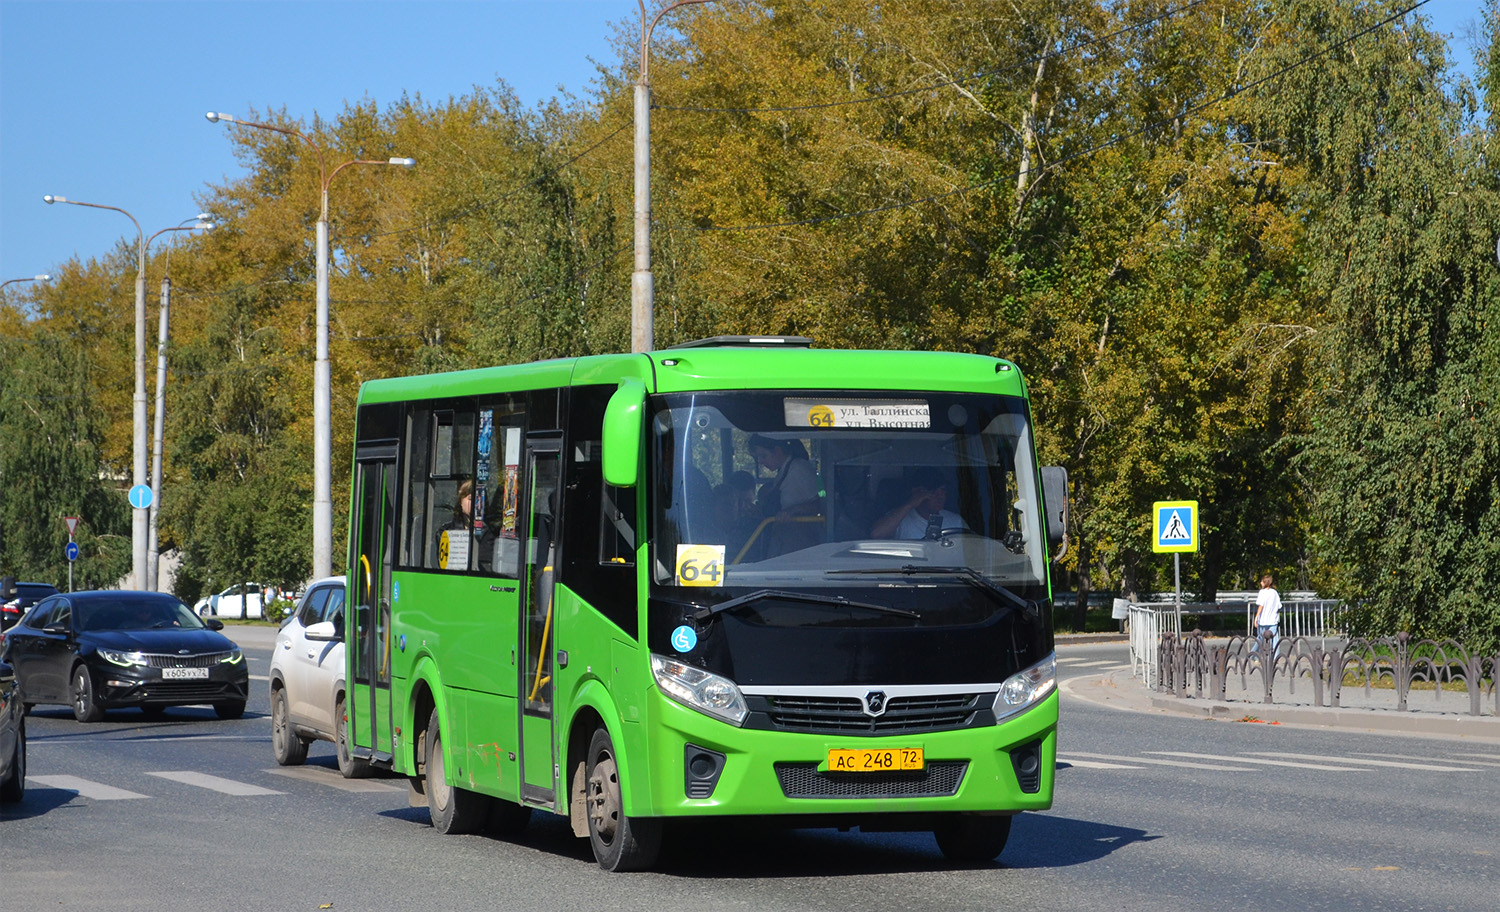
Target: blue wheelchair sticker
684 639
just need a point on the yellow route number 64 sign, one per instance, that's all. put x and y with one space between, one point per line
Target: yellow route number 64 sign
700 565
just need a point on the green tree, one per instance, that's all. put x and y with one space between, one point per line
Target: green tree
51 441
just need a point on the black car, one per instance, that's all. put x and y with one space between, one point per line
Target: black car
12 738
99 650
16 598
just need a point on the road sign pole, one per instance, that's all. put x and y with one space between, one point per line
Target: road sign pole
1177 577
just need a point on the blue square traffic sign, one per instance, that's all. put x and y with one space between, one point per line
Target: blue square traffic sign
1176 525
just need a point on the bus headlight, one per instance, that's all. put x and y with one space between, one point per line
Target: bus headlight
710 694
1025 688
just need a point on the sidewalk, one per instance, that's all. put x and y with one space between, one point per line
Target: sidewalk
1448 719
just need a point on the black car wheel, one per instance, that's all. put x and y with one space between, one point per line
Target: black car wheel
289 749
86 706
350 766
13 789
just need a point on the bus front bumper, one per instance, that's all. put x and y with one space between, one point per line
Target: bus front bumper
703 766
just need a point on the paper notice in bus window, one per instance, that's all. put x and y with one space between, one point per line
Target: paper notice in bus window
857 413
700 565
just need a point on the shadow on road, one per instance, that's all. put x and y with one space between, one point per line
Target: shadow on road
739 848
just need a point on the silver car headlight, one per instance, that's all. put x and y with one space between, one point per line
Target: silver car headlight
1026 688
708 693
123 659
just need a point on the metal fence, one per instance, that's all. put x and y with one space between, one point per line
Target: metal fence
1336 673
1148 622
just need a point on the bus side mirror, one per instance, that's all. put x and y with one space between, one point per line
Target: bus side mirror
622 434
1055 503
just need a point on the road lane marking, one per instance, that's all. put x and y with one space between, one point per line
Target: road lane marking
321 776
1431 767
1090 664
260 677
1155 762
1094 764
85 788
1463 762
1244 759
215 783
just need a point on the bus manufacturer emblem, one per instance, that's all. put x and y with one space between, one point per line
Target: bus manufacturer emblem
874 702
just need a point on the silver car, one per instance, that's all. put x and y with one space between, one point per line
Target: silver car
307 680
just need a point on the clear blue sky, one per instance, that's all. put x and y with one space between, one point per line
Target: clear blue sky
104 101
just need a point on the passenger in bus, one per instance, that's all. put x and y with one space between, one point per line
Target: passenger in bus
736 499
456 538
923 514
789 497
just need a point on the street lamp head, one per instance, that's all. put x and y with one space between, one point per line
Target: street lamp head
404 162
213 116
205 226
49 199
44 277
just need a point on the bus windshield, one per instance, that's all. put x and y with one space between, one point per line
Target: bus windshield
844 490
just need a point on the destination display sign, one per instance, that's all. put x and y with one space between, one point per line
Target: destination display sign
858 413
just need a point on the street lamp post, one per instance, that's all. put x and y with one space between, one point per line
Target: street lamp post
642 291
153 553
322 409
36 278
138 448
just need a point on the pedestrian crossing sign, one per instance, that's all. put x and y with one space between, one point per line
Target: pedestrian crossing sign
1176 525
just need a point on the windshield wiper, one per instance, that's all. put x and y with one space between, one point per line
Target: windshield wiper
831 601
967 574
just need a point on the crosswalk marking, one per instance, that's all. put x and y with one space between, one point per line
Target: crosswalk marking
321 776
86 788
1155 762
1257 760
216 783
1366 761
1093 764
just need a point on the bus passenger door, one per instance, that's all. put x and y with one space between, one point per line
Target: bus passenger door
368 610
543 473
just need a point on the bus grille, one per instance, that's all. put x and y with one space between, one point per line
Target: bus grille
165 660
940 779
846 715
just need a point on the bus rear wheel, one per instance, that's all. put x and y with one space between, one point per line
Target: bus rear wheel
973 839
455 811
620 842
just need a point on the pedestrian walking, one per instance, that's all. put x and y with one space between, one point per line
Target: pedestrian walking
1268 613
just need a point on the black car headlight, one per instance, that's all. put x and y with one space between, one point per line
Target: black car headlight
122 658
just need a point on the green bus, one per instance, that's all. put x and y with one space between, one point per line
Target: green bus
736 577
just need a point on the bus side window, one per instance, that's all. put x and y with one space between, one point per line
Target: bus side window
617 526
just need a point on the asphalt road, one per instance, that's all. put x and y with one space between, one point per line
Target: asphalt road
1152 812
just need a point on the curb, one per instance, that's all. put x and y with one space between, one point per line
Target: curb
1073 638
1130 695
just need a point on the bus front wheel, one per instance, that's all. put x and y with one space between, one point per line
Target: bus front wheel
973 839
620 842
455 811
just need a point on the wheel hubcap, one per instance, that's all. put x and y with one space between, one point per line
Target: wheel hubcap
604 799
436 777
